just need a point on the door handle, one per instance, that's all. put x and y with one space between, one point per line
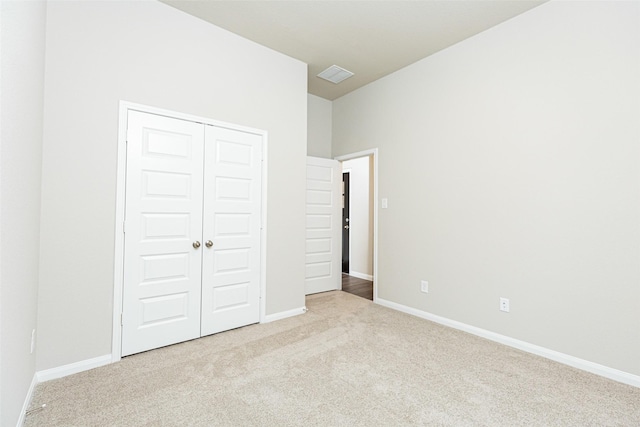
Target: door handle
209 243
196 244
346 227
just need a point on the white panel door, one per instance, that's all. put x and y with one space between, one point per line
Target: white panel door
323 222
232 216
163 219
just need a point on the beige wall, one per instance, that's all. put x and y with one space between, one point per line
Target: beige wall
99 53
318 127
22 45
511 162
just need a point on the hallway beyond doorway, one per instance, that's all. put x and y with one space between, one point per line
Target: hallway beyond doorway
356 286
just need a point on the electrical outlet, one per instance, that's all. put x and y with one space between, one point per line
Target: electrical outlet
504 304
33 340
424 286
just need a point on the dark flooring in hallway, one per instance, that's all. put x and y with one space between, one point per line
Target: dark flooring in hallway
356 286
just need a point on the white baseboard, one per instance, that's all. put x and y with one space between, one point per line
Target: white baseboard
73 368
585 365
27 400
361 275
284 314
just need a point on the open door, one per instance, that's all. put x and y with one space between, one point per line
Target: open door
323 225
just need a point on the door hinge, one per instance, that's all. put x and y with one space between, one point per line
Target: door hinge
121 321
124 226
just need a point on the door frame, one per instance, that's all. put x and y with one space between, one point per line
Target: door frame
373 153
118 282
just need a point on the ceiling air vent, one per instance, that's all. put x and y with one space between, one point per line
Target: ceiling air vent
335 74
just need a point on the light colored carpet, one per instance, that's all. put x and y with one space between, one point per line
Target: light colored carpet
347 362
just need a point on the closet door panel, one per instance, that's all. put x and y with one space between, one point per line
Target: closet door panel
163 213
231 224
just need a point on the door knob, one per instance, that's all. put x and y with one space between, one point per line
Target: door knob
209 243
346 227
196 244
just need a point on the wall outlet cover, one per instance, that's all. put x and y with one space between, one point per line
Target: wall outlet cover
424 286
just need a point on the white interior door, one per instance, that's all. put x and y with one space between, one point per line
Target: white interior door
163 219
232 222
323 225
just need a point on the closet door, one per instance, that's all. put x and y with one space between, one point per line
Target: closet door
163 231
231 229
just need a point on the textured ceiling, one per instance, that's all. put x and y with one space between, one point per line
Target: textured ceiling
370 38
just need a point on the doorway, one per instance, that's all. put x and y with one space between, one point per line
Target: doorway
345 221
359 223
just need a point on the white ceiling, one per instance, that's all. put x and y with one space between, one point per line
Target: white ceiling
370 38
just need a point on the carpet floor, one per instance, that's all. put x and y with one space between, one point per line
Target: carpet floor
346 362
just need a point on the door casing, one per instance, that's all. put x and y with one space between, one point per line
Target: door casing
125 107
